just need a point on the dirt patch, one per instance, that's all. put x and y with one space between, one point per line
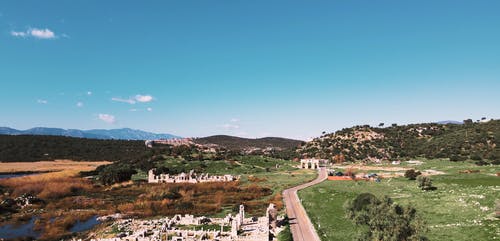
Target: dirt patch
343 178
431 172
49 166
384 171
378 168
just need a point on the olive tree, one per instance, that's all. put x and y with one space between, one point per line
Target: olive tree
385 220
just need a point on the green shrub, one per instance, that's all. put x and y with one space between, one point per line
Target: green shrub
385 221
425 183
412 174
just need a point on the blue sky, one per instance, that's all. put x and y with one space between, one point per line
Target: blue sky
247 68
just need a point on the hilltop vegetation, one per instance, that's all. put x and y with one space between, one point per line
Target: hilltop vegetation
30 148
238 143
472 140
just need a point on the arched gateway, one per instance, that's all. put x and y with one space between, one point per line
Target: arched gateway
309 163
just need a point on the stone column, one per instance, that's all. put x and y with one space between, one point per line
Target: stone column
151 176
242 214
234 228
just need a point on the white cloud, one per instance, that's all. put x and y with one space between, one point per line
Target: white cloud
35 33
133 110
149 109
130 101
230 126
79 104
135 99
42 33
18 34
144 98
107 118
40 101
89 92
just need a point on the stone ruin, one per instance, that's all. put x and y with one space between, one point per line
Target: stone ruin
242 228
191 177
309 163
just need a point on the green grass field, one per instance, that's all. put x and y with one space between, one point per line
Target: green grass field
460 209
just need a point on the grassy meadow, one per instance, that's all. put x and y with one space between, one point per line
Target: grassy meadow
460 209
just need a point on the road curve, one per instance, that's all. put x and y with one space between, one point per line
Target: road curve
300 225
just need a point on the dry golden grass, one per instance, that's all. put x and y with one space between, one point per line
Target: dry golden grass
62 179
49 166
48 185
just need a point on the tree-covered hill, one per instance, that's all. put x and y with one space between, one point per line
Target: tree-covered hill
238 143
471 140
28 148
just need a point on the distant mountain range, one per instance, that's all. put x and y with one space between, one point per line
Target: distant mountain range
450 122
119 134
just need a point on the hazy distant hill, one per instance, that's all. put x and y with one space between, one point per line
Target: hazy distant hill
470 140
119 134
238 143
450 122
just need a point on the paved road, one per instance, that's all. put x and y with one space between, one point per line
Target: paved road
300 225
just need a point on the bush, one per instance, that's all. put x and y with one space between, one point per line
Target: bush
184 206
457 158
113 174
412 174
173 194
425 183
384 220
285 234
481 163
476 157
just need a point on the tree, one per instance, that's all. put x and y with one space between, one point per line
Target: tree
385 221
113 174
381 124
339 158
425 183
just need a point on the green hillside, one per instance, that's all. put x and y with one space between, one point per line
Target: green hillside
28 148
238 143
472 140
